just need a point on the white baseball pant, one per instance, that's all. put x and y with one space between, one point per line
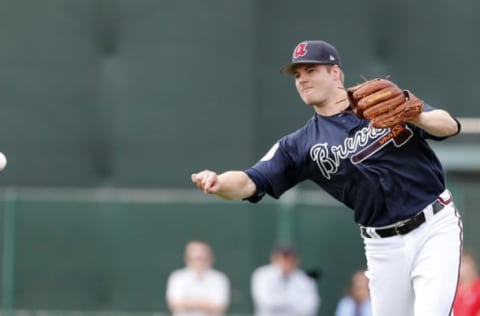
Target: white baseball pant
416 274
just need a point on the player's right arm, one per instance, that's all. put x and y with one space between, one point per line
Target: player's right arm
230 185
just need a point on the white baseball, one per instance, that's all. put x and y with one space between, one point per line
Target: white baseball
3 161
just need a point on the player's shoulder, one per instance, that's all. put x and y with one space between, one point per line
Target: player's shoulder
297 143
303 132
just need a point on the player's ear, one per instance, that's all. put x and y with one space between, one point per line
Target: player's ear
338 72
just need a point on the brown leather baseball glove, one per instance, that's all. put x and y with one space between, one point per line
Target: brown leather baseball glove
383 103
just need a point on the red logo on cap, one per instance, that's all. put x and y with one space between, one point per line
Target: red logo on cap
300 50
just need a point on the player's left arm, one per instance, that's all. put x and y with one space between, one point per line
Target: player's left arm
437 122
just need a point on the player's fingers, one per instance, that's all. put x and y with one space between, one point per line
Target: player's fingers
199 178
209 183
197 183
194 177
205 180
211 189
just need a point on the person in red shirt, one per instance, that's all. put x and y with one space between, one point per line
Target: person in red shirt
467 300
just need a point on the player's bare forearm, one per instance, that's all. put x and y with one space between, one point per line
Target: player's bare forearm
230 185
437 122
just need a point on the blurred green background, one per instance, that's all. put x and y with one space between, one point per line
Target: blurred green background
108 106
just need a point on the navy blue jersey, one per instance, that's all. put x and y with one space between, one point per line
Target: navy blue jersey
384 175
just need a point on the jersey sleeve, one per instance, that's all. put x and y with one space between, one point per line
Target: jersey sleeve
277 171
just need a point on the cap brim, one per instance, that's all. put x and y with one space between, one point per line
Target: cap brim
288 69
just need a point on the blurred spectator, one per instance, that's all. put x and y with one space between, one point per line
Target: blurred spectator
356 302
467 300
281 288
198 289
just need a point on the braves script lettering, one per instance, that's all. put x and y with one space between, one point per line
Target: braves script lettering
328 158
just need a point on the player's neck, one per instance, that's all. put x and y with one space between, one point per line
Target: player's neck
334 105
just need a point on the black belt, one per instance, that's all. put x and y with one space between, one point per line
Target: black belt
403 227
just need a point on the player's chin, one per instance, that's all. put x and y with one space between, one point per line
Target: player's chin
308 101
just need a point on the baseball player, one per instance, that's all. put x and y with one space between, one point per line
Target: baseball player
378 165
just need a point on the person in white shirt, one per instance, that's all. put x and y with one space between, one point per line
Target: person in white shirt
357 301
198 289
281 288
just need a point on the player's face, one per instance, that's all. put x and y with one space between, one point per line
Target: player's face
315 83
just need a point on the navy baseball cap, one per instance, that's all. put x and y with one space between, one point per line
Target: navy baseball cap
312 52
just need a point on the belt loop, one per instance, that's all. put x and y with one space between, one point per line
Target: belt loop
371 231
364 233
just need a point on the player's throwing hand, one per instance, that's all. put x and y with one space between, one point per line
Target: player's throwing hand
207 181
